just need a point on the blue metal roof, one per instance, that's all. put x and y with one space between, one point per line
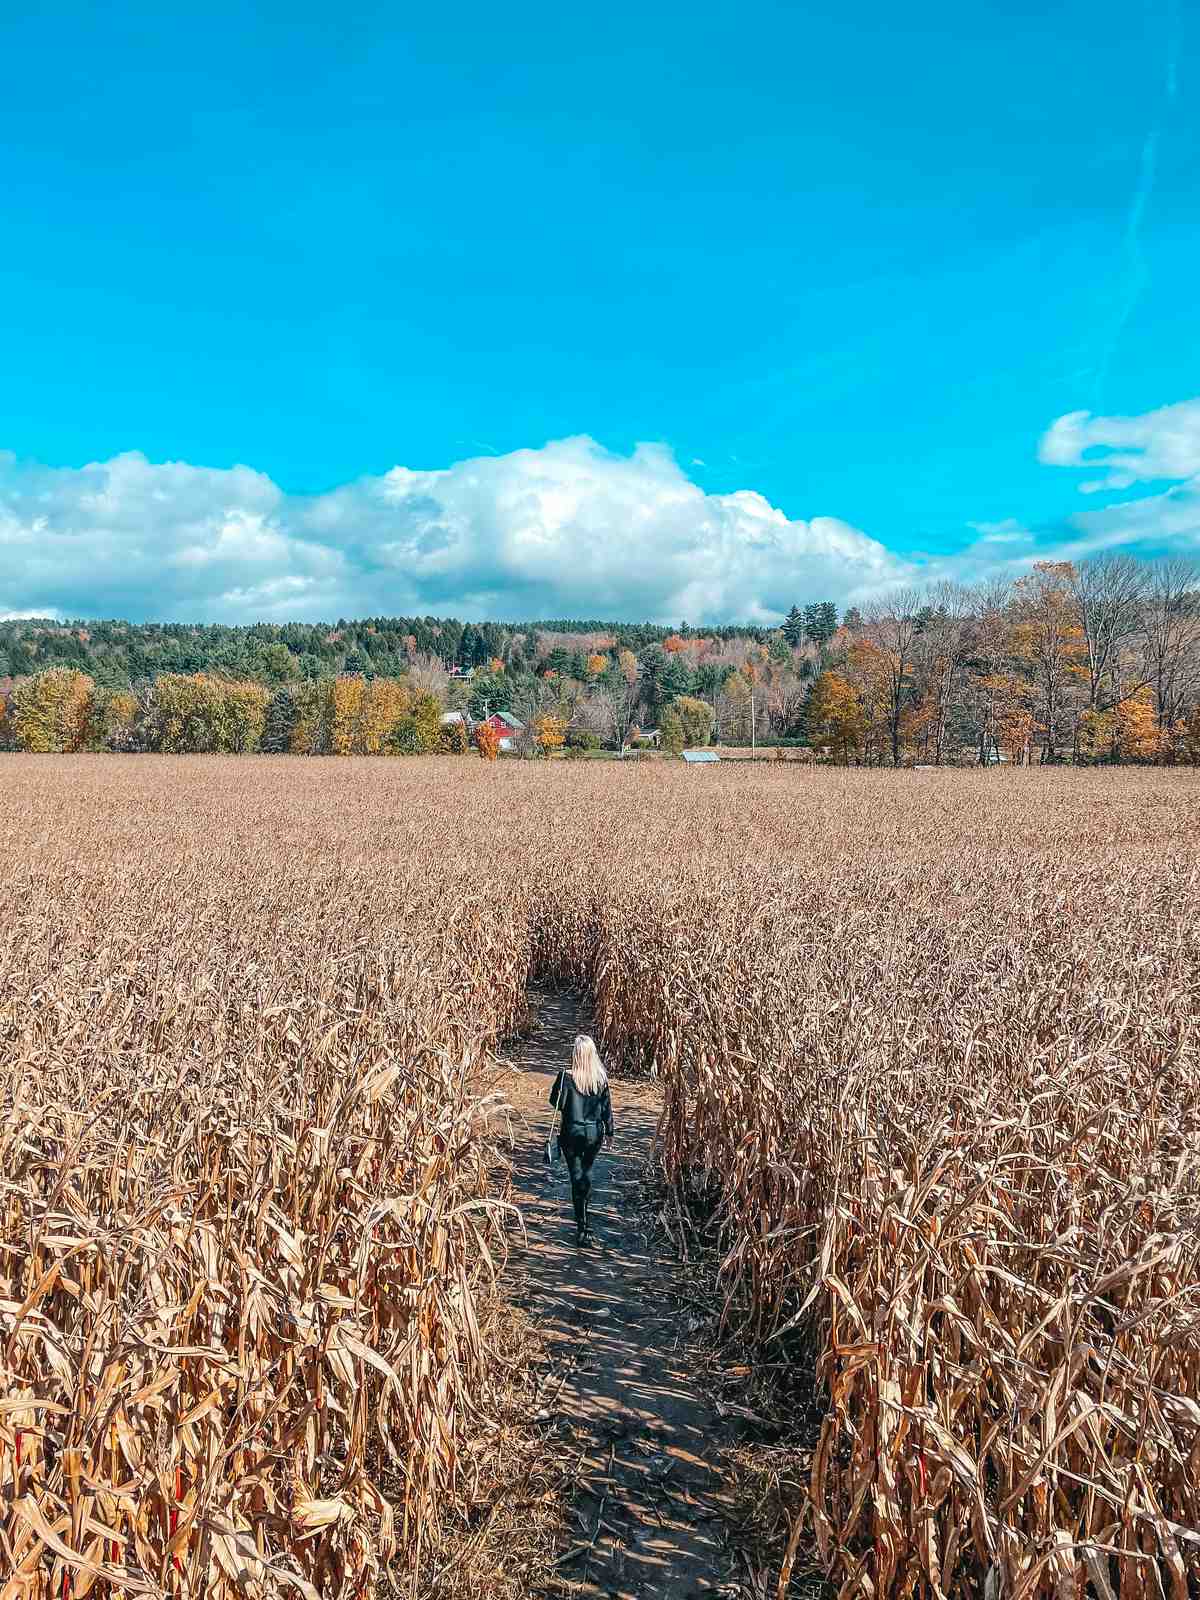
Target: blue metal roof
700 755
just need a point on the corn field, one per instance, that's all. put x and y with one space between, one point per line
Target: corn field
928 1050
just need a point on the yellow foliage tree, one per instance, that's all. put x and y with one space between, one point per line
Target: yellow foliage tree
836 716
113 718
549 732
386 702
596 663
1008 720
347 699
871 674
314 715
453 739
51 713
243 716
1049 644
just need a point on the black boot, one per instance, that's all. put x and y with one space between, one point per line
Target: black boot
586 1236
581 1234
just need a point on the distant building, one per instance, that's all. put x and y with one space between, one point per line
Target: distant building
506 727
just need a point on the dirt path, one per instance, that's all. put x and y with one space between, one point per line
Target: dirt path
648 1508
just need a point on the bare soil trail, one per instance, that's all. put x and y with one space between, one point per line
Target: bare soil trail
640 1441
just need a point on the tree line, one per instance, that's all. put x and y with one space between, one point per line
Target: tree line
1093 662
118 655
1089 662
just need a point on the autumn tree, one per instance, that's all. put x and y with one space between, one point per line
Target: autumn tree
945 638
734 709
419 730
1109 594
1171 645
113 720
454 741
696 720
549 733
487 741
348 695
385 703
670 728
313 722
1048 643
835 716
870 671
243 715
51 713
891 625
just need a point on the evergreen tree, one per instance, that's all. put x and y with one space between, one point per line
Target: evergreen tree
676 678
281 718
793 627
820 622
467 646
652 663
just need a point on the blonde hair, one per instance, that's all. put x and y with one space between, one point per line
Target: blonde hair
587 1070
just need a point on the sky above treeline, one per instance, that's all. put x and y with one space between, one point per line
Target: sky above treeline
674 312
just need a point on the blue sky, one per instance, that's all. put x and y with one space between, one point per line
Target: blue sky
850 266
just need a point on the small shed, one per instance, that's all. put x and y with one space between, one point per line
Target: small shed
695 758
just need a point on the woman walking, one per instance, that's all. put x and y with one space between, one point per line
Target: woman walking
585 1122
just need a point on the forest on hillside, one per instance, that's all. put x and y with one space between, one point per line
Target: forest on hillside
1096 662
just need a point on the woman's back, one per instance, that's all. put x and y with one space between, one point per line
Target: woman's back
579 1109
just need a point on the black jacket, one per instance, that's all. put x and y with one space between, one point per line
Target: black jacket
585 1117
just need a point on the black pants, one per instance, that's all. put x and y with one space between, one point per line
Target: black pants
579 1157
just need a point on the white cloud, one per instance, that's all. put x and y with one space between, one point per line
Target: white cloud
1159 444
1008 531
566 530
1162 444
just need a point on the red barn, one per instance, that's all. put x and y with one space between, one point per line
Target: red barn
506 727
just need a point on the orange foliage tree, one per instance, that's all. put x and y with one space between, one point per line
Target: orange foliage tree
487 741
549 732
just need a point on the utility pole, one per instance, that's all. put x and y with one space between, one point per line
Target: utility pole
753 739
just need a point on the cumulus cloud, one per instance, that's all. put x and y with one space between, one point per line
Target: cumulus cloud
1156 446
566 530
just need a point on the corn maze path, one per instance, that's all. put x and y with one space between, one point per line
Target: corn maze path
638 1437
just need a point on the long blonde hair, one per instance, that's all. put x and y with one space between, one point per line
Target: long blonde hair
587 1069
